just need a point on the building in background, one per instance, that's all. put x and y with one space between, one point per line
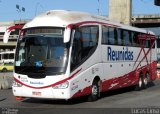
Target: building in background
10 46
121 11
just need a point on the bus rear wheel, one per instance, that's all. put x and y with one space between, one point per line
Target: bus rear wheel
146 80
95 91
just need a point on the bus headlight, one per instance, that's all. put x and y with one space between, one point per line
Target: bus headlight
16 84
62 86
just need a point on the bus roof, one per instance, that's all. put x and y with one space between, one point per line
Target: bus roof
62 18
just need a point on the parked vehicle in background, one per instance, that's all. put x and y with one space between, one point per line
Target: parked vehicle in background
4 67
7 57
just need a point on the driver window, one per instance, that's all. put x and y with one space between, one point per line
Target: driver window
84 44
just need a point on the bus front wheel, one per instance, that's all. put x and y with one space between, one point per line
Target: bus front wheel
95 91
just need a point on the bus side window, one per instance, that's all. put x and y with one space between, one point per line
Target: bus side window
109 35
105 35
115 36
135 39
84 43
130 37
147 44
120 38
126 38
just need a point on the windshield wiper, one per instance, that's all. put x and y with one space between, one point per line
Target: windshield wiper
23 69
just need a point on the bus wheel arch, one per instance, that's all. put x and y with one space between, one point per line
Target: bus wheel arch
95 89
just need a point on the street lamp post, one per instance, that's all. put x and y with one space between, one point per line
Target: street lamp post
19 10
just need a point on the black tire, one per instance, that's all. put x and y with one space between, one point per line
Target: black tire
95 92
4 70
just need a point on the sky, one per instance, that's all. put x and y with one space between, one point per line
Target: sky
8 11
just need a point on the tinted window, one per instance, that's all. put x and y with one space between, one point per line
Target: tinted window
147 44
135 39
109 35
11 56
105 35
126 38
120 38
158 43
5 56
84 43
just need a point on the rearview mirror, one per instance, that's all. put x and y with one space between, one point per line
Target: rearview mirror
67 34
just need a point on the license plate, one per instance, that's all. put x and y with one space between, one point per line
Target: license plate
35 93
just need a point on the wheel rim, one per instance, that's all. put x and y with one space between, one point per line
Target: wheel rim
146 79
94 90
140 82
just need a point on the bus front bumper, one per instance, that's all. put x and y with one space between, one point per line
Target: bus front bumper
47 93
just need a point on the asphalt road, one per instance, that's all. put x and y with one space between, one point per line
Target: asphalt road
119 101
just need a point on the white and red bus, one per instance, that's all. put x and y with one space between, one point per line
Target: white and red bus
68 54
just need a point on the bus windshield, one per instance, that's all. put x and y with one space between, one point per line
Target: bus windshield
41 53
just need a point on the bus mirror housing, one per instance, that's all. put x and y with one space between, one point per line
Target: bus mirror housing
67 34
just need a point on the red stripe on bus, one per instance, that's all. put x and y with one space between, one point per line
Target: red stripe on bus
120 82
142 39
15 27
52 85
90 22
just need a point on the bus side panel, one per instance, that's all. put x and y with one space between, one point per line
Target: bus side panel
92 67
122 73
116 70
119 82
81 84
